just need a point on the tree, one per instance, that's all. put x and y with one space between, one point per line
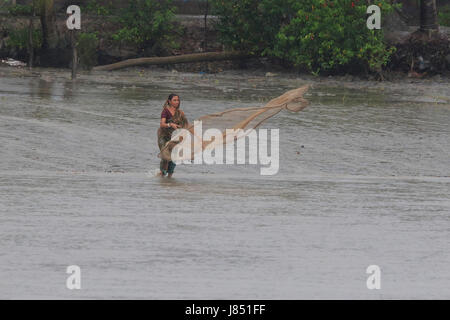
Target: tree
48 22
428 16
30 36
148 24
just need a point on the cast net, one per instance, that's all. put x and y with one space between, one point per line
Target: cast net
185 144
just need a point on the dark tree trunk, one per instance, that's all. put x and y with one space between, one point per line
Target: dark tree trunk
205 40
30 42
185 58
428 16
48 22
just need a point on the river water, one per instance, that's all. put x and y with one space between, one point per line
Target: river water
364 179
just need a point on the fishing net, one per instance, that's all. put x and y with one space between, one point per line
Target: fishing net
241 120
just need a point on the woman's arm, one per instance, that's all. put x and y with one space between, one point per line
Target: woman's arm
164 124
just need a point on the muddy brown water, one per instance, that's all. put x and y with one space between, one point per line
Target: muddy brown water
364 179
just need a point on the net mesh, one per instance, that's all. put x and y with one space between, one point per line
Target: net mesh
238 118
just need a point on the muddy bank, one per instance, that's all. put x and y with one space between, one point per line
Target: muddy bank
417 54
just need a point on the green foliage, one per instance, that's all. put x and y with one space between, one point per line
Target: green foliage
87 44
326 35
19 38
249 25
316 35
21 10
147 24
444 16
94 7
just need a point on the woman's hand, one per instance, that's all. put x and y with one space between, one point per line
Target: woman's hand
174 126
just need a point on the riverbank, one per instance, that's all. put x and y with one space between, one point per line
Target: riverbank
413 58
190 37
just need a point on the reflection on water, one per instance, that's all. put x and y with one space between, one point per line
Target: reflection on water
364 179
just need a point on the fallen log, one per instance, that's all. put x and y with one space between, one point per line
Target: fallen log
185 58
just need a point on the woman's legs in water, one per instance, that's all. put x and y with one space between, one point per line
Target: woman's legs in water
171 168
163 167
163 164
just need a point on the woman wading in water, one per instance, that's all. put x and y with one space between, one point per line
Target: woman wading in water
172 118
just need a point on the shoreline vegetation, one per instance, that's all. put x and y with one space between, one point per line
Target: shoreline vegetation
401 49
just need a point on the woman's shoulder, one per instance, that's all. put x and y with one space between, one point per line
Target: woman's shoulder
165 112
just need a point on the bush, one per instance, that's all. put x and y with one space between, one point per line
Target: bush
93 7
147 24
325 35
444 16
21 10
19 38
316 35
249 25
87 50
